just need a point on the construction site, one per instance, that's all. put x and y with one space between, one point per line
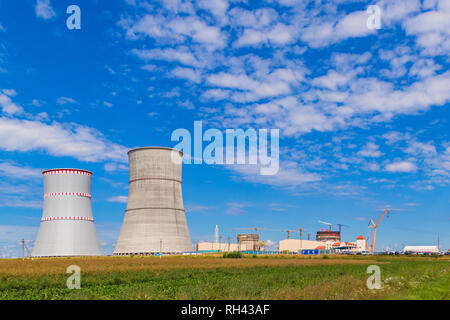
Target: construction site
155 220
327 241
154 257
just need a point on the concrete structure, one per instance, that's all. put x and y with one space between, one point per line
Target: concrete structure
328 235
420 249
216 234
361 244
67 226
294 245
248 240
155 219
223 247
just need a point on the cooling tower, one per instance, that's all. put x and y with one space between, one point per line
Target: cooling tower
154 219
67 227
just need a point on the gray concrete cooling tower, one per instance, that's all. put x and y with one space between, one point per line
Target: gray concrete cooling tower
67 227
154 219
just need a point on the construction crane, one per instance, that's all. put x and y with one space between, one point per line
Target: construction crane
367 243
289 233
256 232
327 223
374 226
256 229
340 225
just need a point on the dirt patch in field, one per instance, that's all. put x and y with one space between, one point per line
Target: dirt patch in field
45 266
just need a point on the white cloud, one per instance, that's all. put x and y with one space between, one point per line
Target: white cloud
401 166
370 150
7 105
198 30
152 26
256 19
216 94
274 88
274 84
177 29
398 10
80 142
332 80
188 74
19 172
432 29
199 208
150 67
177 6
44 10
36 103
118 199
325 33
113 167
289 174
107 104
10 92
66 100
424 68
10 233
217 7
237 208
280 34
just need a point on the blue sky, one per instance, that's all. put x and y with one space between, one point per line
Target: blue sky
363 113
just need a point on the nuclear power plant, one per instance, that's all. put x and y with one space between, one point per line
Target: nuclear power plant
155 219
67 226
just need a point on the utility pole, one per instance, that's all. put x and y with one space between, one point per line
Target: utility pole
160 248
23 249
301 233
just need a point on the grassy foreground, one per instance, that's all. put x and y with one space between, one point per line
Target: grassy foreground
212 277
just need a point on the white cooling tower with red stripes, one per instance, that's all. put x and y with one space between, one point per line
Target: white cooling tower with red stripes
67 226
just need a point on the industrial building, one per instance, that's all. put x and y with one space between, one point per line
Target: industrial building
295 245
421 249
67 226
222 247
287 245
155 219
328 235
245 242
248 240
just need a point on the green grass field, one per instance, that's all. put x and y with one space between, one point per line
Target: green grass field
281 277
